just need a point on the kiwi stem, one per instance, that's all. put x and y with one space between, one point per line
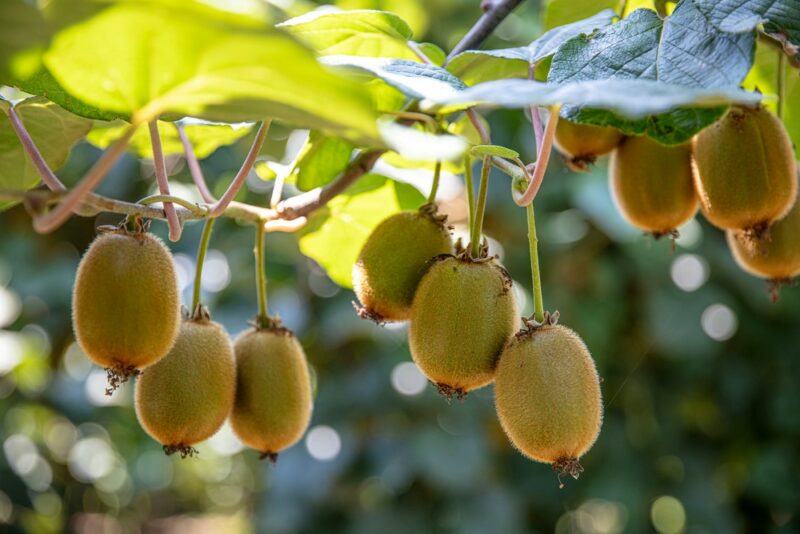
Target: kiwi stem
162 180
480 208
623 5
533 242
202 248
437 170
470 195
261 277
781 81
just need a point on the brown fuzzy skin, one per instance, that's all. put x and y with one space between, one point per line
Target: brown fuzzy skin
653 184
745 171
547 395
394 259
583 143
273 394
125 302
775 256
464 312
186 396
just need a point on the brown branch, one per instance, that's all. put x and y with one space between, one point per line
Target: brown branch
162 180
495 11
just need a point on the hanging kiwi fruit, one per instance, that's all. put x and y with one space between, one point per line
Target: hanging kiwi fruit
582 144
653 185
125 303
745 170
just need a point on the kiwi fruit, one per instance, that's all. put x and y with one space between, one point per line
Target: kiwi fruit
393 259
185 397
653 185
273 390
126 303
581 144
547 396
463 314
775 256
745 170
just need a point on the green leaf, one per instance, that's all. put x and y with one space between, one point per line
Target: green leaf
416 80
479 151
476 66
54 130
321 160
150 59
436 55
335 234
681 50
561 12
23 33
205 137
418 145
360 32
779 17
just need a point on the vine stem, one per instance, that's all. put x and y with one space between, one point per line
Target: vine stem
194 166
173 222
533 243
495 11
542 160
202 248
781 82
48 177
437 170
261 277
480 207
470 197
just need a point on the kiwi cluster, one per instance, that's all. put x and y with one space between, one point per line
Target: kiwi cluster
191 377
740 172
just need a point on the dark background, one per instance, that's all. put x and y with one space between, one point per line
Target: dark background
701 384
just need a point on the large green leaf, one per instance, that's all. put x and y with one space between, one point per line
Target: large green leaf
23 33
320 160
335 234
54 131
416 80
150 59
561 12
359 32
683 49
204 137
474 66
780 18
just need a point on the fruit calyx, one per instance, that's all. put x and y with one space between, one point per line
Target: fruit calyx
567 467
448 392
364 313
430 210
118 375
532 325
580 163
270 324
774 286
271 456
200 314
185 451
463 253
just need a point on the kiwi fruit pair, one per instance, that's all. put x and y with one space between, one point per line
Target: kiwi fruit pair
463 314
547 396
582 144
126 303
393 259
746 174
653 185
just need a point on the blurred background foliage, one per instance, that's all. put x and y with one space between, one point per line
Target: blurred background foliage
701 372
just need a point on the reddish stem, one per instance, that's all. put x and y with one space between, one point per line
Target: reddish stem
48 177
542 159
194 166
163 182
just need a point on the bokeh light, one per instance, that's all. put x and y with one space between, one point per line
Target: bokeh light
719 322
323 443
407 379
689 272
668 515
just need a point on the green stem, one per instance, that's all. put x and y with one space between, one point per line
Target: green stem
470 195
437 170
533 242
781 81
202 248
480 207
261 277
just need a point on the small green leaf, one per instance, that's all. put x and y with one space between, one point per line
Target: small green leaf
436 55
335 234
321 160
54 130
359 32
479 151
416 80
204 137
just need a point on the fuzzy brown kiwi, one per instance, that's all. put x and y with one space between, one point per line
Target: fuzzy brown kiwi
745 171
463 314
653 185
186 396
581 144
393 260
125 303
273 390
547 396
775 256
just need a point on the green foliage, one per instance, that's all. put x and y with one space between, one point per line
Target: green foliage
493 150
561 12
320 160
54 131
204 137
335 234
